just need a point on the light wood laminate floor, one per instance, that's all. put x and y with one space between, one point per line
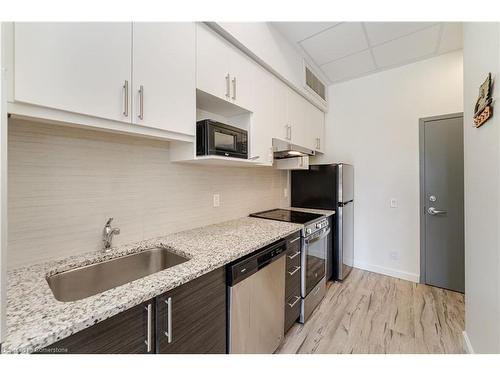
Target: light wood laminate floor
372 313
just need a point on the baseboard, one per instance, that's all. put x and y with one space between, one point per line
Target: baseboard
467 345
388 271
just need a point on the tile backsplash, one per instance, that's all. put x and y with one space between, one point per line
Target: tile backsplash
64 182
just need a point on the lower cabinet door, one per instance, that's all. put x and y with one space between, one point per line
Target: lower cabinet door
192 317
292 280
130 332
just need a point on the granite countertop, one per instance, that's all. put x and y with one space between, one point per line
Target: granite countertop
35 319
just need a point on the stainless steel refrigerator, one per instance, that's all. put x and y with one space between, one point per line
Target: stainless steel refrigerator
330 187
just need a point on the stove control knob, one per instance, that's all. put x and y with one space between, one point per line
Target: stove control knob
318 226
308 231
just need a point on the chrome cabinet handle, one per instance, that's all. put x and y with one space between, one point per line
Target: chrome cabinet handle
169 332
294 255
297 268
234 88
228 89
433 211
141 102
297 299
288 132
125 90
149 341
295 240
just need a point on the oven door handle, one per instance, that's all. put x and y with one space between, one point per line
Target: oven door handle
317 237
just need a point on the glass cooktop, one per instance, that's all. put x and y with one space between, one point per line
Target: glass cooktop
287 215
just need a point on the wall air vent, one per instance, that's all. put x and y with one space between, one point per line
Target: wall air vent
315 84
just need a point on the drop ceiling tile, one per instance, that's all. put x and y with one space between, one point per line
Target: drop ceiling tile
350 66
335 43
297 31
379 32
405 49
452 38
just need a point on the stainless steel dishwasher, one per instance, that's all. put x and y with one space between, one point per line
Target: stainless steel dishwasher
256 300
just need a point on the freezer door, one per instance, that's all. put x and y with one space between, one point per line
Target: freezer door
345 182
345 240
315 188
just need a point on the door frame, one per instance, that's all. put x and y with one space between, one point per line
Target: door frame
421 205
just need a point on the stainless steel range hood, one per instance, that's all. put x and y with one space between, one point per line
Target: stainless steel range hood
283 149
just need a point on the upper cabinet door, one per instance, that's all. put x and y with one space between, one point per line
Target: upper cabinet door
212 63
281 128
317 118
297 119
262 120
222 69
77 67
243 73
164 93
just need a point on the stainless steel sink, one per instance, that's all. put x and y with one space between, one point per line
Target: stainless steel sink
86 281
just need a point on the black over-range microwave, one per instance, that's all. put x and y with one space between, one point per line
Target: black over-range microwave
215 138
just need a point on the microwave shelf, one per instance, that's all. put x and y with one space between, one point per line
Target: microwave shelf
222 161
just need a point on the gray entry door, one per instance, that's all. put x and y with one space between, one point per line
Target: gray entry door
442 201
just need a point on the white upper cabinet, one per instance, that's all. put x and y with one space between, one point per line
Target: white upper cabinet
243 72
262 120
163 88
77 67
297 119
281 129
223 70
317 121
212 63
145 78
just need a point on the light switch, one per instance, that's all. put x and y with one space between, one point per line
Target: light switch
216 200
394 203
285 192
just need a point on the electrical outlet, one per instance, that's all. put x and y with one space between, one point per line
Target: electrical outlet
394 255
285 192
216 200
394 203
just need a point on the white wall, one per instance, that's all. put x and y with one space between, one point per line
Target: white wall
482 192
65 182
373 124
272 48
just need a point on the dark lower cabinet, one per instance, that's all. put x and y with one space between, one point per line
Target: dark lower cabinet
125 333
192 317
195 319
292 280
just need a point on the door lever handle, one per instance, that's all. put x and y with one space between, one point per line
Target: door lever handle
433 211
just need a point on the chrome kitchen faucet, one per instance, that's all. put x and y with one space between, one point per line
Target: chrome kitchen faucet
108 233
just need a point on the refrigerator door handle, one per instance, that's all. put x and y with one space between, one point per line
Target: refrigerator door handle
342 204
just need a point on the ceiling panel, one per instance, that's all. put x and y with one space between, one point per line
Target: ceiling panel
336 42
350 66
298 31
346 50
417 45
452 38
379 32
